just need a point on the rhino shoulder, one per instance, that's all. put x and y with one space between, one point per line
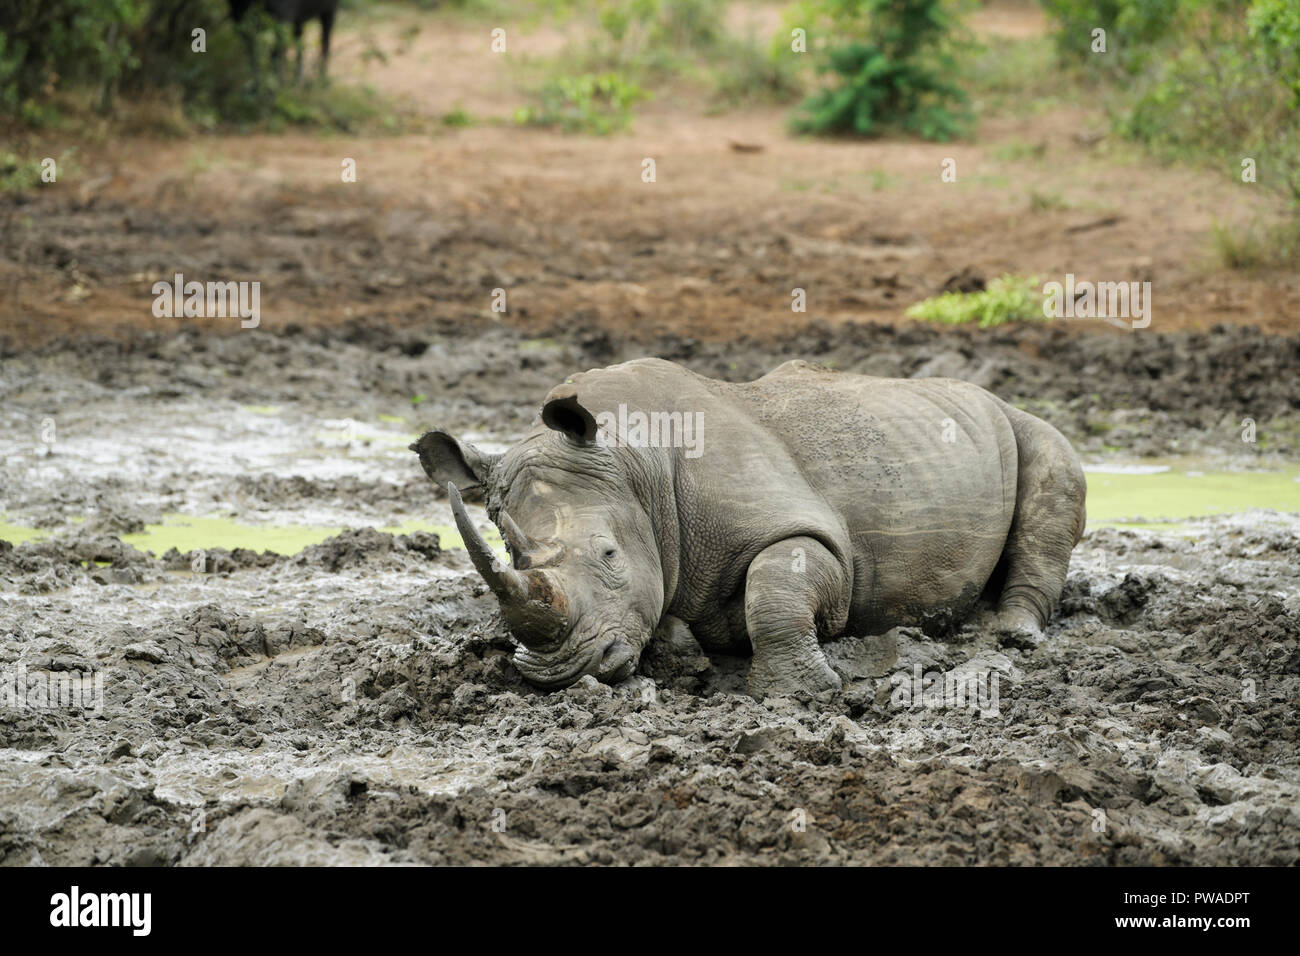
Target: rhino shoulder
644 377
799 368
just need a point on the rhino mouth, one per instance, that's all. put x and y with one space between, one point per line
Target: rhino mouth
611 660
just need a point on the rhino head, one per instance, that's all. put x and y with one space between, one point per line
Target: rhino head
586 587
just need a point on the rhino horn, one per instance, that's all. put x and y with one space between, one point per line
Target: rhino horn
526 552
507 584
534 609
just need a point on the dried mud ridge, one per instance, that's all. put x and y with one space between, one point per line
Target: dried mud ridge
355 703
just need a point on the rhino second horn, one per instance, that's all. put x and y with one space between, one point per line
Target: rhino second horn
507 584
527 552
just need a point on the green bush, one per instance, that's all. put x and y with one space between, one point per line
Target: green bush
52 52
46 44
592 86
641 38
1132 27
1275 26
666 24
1226 88
1008 299
893 66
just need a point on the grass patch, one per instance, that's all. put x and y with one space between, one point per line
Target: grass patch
1047 202
1018 151
457 118
21 175
744 72
590 103
1256 246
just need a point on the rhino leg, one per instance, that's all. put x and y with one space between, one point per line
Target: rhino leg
1048 523
790 586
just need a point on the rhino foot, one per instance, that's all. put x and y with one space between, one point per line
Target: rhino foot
806 678
1017 627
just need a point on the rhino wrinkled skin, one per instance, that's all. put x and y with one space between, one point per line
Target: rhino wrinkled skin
807 504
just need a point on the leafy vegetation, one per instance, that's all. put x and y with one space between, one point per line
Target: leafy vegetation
1007 299
62 58
1132 29
747 71
1214 79
892 66
1206 81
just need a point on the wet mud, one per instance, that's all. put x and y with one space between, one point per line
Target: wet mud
353 701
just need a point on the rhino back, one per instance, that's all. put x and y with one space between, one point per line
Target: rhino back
922 474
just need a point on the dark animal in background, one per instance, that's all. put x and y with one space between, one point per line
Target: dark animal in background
297 13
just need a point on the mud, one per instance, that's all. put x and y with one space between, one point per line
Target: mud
353 701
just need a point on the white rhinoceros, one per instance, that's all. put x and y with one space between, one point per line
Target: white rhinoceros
779 513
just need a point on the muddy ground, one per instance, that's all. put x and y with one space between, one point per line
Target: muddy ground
355 702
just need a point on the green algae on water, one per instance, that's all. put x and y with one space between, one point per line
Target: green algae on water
1132 499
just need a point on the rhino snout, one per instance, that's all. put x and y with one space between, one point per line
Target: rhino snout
617 662
611 661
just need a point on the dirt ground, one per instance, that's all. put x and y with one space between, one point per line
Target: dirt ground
712 249
354 702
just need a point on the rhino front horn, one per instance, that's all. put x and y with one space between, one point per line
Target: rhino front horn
507 584
535 611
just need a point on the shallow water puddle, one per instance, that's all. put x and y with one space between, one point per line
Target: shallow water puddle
18 534
186 533
1136 494
1154 495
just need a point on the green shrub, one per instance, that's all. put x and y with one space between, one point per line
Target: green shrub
669 24
1209 80
1275 26
592 84
892 65
646 37
1226 89
53 51
1132 28
48 43
1008 299
1256 246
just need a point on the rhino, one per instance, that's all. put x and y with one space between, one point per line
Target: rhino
766 516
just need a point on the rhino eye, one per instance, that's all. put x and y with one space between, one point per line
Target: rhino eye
609 553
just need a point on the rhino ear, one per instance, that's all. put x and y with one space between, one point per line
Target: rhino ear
564 413
444 459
